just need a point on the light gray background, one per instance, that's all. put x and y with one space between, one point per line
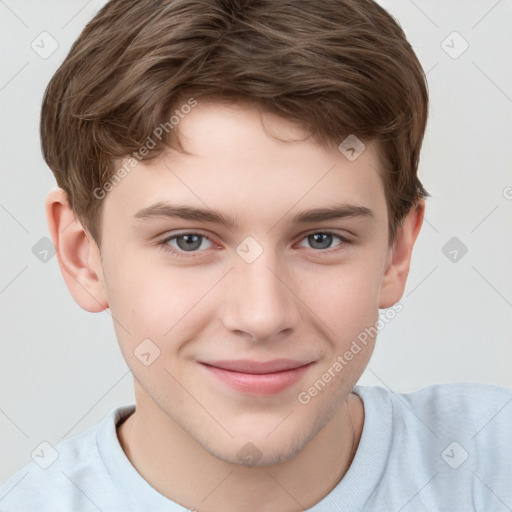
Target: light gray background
61 369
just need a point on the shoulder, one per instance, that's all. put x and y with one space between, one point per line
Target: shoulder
455 439
68 476
479 408
477 405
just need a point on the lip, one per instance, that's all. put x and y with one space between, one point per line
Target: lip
258 378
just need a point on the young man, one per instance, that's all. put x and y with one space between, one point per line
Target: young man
238 185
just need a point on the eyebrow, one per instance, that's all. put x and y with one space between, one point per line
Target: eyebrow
167 210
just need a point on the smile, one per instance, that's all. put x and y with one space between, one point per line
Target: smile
258 378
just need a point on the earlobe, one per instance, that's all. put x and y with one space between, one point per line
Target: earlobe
399 257
77 254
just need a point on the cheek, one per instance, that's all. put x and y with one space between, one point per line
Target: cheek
344 298
152 300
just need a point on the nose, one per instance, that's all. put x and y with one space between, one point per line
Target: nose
258 300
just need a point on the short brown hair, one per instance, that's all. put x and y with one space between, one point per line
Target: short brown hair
335 67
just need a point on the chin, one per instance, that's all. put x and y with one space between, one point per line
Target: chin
256 454
258 447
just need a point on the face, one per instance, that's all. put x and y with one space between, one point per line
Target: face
198 303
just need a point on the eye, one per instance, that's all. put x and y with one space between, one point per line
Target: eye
186 243
322 240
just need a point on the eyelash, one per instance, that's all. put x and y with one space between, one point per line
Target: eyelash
167 248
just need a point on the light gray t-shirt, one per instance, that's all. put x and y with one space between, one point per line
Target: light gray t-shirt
445 447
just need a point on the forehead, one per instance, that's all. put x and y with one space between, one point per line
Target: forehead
251 166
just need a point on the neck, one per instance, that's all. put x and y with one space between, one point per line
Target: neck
180 469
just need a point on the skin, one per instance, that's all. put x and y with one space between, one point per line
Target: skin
295 300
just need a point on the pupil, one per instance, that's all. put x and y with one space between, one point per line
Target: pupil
188 245
315 241
193 241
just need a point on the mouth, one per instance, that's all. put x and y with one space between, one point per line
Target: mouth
258 378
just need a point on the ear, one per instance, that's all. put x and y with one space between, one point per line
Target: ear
77 253
399 257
